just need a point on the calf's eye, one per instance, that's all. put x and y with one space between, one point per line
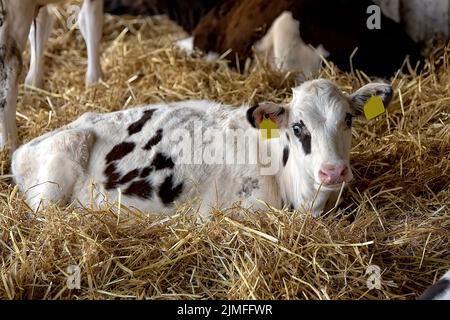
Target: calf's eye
348 120
297 130
303 135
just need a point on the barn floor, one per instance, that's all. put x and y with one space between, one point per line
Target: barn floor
396 214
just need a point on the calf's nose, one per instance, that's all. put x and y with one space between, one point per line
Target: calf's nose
333 174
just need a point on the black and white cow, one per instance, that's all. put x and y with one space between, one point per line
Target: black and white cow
155 156
16 24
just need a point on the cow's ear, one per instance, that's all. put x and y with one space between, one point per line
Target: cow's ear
268 110
360 97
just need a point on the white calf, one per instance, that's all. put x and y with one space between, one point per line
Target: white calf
16 20
157 155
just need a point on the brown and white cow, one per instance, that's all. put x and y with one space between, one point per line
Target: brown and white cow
16 19
339 27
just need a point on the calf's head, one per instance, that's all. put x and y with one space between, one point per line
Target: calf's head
316 129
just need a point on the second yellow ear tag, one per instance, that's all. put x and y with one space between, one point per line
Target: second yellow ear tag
374 107
268 129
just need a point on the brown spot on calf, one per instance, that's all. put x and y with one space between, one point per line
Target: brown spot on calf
138 125
119 151
154 140
168 192
141 189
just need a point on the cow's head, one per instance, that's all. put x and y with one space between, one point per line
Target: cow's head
316 129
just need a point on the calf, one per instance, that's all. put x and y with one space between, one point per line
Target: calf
162 154
339 27
16 19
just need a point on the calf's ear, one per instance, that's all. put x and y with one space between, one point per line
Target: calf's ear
361 96
268 110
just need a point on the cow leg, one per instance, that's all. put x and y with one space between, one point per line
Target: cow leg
47 170
265 46
15 21
91 26
39 33
281 42
287 42
10 66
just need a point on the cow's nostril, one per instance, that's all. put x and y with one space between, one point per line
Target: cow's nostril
333 174
324 176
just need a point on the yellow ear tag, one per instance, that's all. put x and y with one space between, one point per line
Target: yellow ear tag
268 129
374 107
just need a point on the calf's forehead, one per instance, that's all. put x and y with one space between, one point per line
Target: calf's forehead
319 100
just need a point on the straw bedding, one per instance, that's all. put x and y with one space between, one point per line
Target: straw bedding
394 215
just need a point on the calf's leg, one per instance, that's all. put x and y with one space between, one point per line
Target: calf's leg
47 170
